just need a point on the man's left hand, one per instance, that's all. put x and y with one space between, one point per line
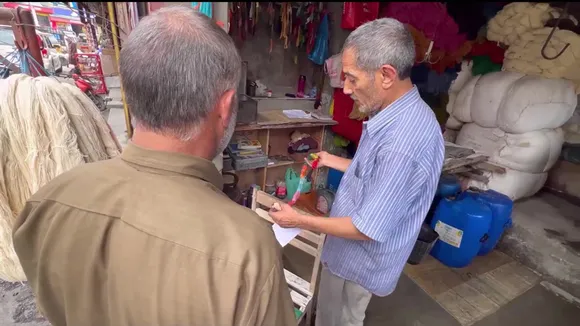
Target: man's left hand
286 216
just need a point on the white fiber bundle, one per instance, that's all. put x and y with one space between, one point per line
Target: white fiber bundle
46 128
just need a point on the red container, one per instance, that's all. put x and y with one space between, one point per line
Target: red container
90 67
301 86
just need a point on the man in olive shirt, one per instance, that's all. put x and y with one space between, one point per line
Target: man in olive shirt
149 238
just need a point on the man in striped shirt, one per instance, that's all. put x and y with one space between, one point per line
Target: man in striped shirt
388 186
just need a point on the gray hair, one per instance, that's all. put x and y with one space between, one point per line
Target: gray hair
174 67
380 42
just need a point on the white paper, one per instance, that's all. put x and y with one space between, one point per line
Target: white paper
297 114
284 236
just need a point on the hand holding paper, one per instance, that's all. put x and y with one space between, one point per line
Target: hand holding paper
286 219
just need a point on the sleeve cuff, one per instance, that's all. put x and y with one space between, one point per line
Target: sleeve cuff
359 224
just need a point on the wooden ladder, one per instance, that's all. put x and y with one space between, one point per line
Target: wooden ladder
301 291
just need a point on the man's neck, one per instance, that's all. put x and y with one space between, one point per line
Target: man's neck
398 91
197 146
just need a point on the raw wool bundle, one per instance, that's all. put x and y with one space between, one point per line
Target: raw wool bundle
514 102
525 55
516 19
46 128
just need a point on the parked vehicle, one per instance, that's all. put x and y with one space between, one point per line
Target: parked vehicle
52 60
87 87
6 48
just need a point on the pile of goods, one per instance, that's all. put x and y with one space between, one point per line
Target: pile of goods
519 126
47 128
519 116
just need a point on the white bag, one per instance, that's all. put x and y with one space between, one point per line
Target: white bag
462 105
533 152
513 183
491 90
535 103
333 69
515 105
458 83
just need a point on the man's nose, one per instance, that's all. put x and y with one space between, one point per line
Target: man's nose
346 89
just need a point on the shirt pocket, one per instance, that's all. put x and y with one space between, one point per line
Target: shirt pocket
356 189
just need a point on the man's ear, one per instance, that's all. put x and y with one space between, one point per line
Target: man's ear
224 107
388 76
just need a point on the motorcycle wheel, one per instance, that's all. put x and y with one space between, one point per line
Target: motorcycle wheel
99 102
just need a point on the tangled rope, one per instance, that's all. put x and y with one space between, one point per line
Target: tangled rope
46 128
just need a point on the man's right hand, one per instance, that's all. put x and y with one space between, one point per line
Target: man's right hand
324 158
332 161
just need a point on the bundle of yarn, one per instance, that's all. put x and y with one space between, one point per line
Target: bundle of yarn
46 128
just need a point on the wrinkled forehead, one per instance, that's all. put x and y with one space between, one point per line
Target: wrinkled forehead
350 67
349 62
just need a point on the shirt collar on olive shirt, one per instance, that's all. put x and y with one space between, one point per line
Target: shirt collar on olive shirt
173 162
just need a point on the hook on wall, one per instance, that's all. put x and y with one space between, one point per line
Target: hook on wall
563 14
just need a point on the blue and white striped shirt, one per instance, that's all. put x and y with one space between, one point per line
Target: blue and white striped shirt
387 191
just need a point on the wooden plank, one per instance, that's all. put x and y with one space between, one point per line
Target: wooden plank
304 247
466 304
510 280
276 119
297 283
460 169
300 300
488 166
456 151
455 163
474 176
308 235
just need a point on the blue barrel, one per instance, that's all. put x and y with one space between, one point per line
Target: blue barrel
333 179
462 223
448 186
501 208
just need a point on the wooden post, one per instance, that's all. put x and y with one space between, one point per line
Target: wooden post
29 31
111 9
24 31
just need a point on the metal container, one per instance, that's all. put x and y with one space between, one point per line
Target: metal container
247 110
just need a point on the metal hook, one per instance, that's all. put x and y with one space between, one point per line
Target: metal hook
564 13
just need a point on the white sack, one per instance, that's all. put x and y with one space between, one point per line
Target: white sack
517 105
535 103
453 123
491 90
462 105
457 84
533 152
514 184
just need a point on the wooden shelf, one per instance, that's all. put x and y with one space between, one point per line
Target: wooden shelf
277 120
274 137
279 164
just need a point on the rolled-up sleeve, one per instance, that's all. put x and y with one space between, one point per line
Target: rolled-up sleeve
387 195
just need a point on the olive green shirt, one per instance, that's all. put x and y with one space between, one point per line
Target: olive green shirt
148 238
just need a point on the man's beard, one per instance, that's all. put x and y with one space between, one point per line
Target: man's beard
230 130
367 109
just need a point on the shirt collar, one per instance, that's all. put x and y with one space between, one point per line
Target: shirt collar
173 162
385 116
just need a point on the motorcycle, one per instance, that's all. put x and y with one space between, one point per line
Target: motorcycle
88 87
